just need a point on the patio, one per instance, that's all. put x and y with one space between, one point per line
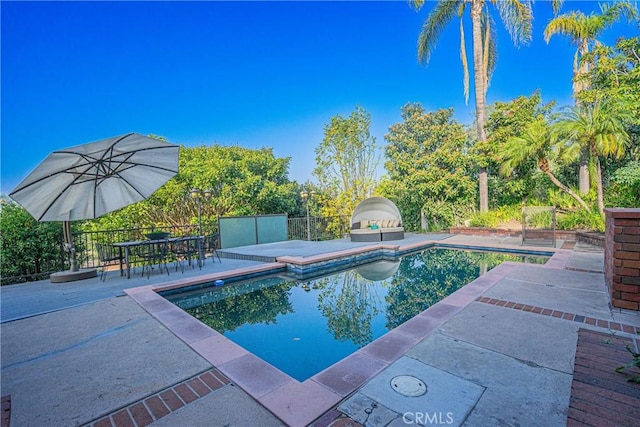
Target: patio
499 351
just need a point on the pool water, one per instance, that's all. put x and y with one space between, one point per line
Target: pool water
303 327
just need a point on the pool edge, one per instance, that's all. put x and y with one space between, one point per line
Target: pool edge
300 403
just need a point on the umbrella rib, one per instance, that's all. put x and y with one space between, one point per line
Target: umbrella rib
148 165
105 166
91 162
75 180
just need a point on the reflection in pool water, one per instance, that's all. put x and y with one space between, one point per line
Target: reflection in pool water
304 327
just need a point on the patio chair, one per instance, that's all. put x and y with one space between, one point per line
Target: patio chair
107 255
184 251
152 254
210 245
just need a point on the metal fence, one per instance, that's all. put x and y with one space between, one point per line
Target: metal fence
318 228
304 228
312 228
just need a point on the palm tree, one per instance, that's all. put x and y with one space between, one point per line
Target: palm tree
599 130
516 15
583 30
537 142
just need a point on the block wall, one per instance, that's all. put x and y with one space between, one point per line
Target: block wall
622 257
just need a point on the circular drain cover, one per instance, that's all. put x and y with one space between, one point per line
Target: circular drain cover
408 385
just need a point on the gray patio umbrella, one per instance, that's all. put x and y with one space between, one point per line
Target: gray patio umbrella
93 179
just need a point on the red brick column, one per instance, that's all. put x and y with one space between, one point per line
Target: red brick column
622 257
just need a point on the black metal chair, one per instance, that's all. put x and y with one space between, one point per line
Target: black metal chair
107 255
210 245
153 253
184 250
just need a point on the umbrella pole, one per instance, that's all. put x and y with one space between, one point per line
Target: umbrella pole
68 244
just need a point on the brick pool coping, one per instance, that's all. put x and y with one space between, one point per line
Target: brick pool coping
300 403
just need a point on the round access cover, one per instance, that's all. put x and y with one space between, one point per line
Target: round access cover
408 385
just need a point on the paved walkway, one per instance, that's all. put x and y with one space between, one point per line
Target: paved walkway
84 353
598 392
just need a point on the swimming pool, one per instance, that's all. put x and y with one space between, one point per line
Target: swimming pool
303 326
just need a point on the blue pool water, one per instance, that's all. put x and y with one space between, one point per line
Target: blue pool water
303 327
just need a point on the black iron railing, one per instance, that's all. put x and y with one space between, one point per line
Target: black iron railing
304 228
87 240
318 228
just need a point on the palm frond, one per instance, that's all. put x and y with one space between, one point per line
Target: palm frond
611 13
517 16
490 50
417 4
536 141
597 127
437 20
465 64
572 24
556 5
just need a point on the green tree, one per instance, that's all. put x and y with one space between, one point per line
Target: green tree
583 31
597 129
625 186
429 168
346 161
244 182
29 247
615 75
517 17
536 142
507 120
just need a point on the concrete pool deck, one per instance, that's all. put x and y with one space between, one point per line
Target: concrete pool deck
499 351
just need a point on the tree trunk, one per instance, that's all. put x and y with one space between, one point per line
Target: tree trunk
483 183
479 78
584 173
580 68
544 167
578 86
599 186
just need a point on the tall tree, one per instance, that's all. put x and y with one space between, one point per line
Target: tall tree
615 75
243 181
599 130
506 120
583 31
346 161
517 17
536 142
429 168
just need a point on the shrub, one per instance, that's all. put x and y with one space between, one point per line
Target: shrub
581 220
441 215
496 217
624 191
29 248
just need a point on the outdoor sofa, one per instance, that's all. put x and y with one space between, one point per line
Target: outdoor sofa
376 219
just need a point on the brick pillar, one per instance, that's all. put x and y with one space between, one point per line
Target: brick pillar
622 257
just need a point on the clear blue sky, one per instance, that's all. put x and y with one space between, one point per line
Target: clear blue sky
255 74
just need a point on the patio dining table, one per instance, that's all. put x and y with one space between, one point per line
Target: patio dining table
125 249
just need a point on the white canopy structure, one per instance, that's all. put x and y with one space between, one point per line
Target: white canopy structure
376 219
376 208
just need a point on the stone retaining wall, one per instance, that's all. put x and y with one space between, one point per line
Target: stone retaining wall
596 239
622 257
